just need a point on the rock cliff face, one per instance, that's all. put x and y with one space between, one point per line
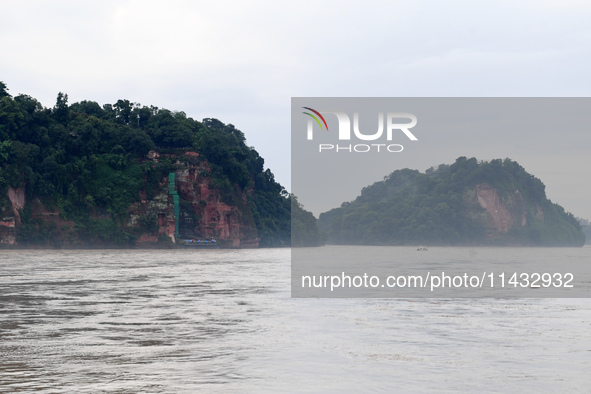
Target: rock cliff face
9 222
17 199
205 213
7 231
501 215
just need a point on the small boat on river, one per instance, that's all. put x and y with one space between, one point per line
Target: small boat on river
199 243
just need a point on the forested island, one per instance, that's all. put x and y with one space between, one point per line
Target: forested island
465 203
127 175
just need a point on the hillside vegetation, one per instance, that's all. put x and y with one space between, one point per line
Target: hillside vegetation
88 163
466 203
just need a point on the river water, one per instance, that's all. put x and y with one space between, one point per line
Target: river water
184 321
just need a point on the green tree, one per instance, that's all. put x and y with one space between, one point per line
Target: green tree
61 110
3 90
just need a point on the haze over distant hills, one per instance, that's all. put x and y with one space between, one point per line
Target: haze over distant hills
586 229
466 203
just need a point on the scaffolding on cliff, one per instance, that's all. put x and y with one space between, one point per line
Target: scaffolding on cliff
175 198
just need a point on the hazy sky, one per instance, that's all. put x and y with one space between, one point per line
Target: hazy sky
549 136
242 61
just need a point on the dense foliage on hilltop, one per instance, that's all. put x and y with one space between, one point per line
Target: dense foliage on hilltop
440 207
88 161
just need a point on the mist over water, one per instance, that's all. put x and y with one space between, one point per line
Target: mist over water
223 321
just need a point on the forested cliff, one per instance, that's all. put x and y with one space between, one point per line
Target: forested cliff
466 203
86 175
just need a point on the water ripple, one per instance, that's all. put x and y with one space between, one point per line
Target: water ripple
223 321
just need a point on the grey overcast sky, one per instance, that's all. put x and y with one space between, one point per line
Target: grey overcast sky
242 61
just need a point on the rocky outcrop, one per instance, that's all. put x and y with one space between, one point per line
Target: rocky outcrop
17 199
8 231
502 215
8 223
207 211
204 213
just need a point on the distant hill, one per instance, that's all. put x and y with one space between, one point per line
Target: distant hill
126 175
466 203
587 231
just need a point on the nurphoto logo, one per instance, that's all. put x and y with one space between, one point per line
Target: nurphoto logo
392 121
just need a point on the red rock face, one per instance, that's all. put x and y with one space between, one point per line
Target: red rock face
488 199
148 239
9 222
9 225
503 215
8 231
231 224
204 213
17 198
